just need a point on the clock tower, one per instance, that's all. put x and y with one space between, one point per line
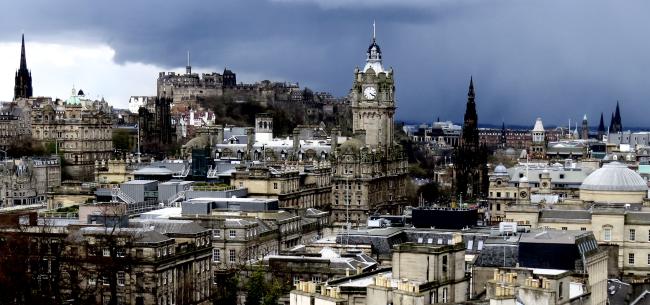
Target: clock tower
373 99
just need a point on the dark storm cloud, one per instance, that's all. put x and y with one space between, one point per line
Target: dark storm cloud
553 59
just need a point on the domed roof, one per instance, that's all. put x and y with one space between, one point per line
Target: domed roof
614 176
500 169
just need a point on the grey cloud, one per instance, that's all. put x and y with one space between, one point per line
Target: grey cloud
554 59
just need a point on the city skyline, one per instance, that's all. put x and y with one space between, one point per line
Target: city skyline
523 67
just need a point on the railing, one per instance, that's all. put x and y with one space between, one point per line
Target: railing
59 215
212 172
141 207
174 198
117 193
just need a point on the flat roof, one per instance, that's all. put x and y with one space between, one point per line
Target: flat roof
215 199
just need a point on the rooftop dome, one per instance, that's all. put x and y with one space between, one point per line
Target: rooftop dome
500 169
614 176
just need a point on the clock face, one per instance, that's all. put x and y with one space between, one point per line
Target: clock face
523 194
370 93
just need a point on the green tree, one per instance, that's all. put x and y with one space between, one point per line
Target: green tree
272 293
255 288
121 140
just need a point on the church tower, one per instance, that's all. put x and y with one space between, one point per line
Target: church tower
373 99
617 125
23 82
471 159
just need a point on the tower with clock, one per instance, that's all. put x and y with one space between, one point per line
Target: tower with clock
373 99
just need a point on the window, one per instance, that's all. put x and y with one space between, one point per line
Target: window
560 292
480 245
275 185
216 233
498 194
561 176
564 228
296 280
470 244
121 278
648 259
583 229
632 234
630 258
498 207
233 233
121 252
444 295
607 234
232 255
315 279
106 252
216 255
444 265
92 281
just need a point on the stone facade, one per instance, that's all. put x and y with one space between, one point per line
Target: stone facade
369 171
27 181
295 189
80 130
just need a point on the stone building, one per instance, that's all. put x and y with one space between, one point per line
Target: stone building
144 262
295 189
420 274
612 205
156 130
13 124
79 129
369 172
26 181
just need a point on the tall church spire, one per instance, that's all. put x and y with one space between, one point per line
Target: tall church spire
618 125
470 125
23 80
23 59
601 127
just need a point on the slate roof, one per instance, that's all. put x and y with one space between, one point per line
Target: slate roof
166 226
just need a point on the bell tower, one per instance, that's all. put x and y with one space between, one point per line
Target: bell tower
373 99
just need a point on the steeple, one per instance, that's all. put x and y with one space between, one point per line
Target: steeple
23 59
470 125
601 127
618 125
470 93
23 80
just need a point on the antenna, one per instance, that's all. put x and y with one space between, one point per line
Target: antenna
373 30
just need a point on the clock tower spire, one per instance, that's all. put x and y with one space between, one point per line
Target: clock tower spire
372 99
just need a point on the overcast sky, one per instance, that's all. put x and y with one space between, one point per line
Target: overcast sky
555 59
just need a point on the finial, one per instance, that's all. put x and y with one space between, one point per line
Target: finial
188 57
374 29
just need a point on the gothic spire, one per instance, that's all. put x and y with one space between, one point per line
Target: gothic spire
470 93
23 59
601 125
23 80
617 119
